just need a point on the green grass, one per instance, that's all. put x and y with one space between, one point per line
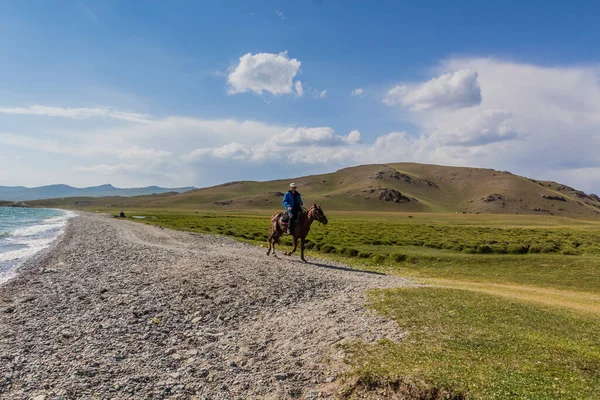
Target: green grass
570 258
515 313
482 346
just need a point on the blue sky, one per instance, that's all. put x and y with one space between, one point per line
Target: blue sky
197 93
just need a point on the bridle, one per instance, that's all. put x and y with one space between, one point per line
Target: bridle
317 214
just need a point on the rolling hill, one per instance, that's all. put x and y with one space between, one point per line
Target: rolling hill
409 187
21 193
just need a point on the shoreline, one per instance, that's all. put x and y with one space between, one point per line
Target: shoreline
38 257
117 309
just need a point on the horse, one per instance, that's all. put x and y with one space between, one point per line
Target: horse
299 231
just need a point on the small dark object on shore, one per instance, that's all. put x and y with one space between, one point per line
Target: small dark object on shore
121 215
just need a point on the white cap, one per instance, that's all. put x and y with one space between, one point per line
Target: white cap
292 184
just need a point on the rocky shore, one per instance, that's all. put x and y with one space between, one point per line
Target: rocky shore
119 310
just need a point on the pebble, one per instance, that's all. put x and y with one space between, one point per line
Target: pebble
114 322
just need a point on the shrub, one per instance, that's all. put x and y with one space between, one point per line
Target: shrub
364 254
536 248
518 249
570 251
399 257
549 248
351 252
327 248
484 249
498 249
378 258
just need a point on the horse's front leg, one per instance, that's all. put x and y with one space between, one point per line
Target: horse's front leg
269 242
302 246
294 248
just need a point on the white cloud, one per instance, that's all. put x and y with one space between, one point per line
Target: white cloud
299 88
323 94
280 14
486 127
75 113
231 151
234 151
283 145
105 169
138 152
273 73
353 137
453 90
357 92
541 122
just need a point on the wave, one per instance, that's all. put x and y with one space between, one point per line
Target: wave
22 243
45 225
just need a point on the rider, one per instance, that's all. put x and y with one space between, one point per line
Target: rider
292 201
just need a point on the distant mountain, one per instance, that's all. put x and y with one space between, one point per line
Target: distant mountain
408 187
21 193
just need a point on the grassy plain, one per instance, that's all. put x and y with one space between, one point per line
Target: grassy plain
512 309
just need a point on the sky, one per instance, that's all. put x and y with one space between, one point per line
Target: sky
198 93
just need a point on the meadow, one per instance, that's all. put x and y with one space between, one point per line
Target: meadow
511 306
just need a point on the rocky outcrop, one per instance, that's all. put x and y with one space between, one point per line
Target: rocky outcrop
223 202
399 176
20 204
558 198
387 194
493 197
578 193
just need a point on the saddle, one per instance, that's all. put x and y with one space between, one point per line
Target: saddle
284 220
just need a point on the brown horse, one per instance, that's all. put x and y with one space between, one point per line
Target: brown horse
299 231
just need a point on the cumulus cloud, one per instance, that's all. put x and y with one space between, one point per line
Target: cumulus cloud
357 92
286 144
299 88
536 121
454 90
323 94
264 72
486 127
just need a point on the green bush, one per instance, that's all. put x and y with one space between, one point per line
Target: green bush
484 249
518 249
365 254
399 257
498 248
327 248
570 251
378 259
351 253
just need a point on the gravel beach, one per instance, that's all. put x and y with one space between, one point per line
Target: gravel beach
120 310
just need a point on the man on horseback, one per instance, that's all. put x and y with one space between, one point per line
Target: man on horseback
292 202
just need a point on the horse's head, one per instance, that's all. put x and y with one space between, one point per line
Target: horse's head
319 215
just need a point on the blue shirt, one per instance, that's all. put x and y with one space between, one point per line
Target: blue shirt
293 200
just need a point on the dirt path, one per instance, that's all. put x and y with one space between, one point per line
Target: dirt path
125 310
580 301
